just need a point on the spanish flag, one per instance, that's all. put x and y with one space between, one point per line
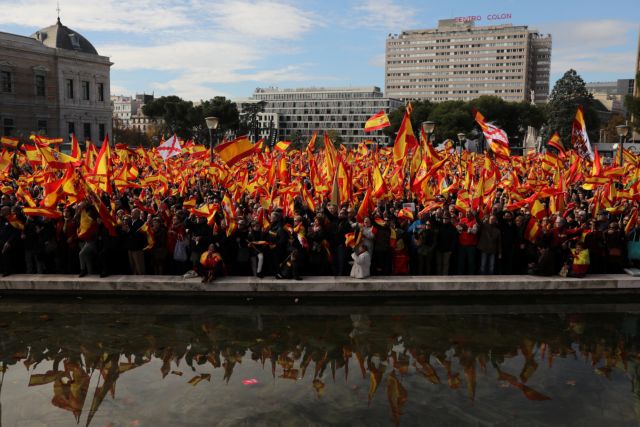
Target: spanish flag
282 146
234 151
556 143
44 212
377 121
404 140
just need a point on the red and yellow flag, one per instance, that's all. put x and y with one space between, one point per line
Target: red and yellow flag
404 140
234 151
282 146
377 121
496 137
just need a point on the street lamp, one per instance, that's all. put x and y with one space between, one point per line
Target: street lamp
461 138
212 124
428 128
622 131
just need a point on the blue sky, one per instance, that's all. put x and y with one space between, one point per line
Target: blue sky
198 49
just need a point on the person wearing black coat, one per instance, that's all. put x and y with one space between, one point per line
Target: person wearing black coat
446 241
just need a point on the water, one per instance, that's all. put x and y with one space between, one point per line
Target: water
140 363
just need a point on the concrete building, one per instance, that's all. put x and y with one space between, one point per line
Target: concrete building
127 113
53 82
612 94
459 61
297 113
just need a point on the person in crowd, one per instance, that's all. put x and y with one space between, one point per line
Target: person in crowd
361 268
489 244
467 242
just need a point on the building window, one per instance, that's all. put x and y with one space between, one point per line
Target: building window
40 85
101 92
71 127
101 131
6 81
87 131
85 91
69 88
9 127
42 127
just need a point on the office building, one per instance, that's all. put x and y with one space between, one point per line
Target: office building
459 61
55 83
297 113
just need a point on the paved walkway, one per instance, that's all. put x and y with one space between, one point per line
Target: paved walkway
320 286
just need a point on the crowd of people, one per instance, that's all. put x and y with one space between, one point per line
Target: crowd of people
172 240
210 219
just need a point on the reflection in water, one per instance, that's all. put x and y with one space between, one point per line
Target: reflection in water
77 359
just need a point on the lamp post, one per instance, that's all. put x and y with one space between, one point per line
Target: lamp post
622 131
461 138
212 124
428 128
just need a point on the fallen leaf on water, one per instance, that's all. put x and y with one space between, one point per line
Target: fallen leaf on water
179 373
195 380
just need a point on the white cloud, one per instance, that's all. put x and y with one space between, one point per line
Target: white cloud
197 67
385 14
133 16
186 47
592 46
263 18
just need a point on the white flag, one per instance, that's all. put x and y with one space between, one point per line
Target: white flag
171 147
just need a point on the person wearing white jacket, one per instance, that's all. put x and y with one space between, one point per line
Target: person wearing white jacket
361 263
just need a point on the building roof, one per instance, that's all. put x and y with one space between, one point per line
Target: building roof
59 36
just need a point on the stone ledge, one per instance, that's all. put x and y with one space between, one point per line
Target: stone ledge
318 286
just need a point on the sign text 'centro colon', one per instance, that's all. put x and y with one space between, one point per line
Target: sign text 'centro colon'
490 17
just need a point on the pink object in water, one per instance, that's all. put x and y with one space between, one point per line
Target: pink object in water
251 381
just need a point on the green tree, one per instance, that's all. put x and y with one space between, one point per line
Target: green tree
568 93
174 111
632 104
335 137
249 118
420 113
451 118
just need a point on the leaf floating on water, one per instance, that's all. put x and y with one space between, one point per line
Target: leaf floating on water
178 373
45 317
195 380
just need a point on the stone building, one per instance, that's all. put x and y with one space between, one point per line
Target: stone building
55 83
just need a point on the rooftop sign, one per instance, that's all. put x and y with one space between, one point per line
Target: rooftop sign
489 17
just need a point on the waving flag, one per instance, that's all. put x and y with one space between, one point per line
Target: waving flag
377 121
234 151
171 147
579 136
556 143
404 140
496 137
282 146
